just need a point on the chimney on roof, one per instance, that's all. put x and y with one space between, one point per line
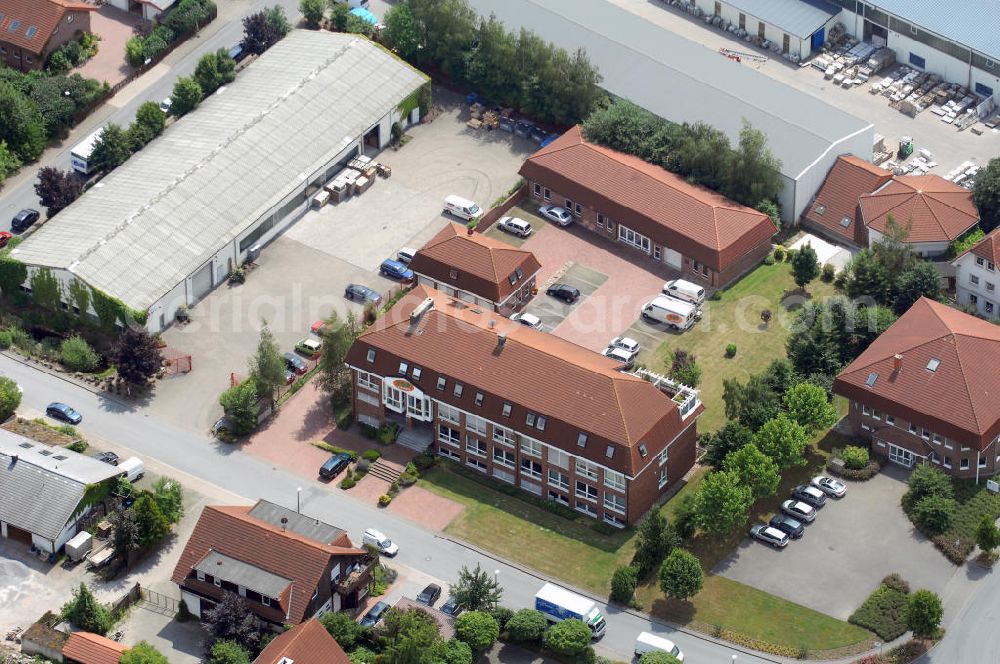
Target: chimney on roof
421 308
501 339
493 323
897 362
284 520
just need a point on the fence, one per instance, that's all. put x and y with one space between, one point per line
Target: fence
131 597
158 602
490 217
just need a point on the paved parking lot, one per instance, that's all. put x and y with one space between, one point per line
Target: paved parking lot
553 312
301 276
845 552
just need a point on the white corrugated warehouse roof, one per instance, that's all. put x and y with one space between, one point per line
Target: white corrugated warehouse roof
974 23
168 209
683 81
800 18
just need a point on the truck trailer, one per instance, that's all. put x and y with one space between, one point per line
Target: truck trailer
558 604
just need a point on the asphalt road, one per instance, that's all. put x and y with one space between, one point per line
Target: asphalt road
132 430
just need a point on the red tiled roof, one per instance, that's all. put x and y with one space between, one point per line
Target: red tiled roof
849 179
87 648
690 219
230 530
43 15
576 389
935 209
988 248
483 264
959 398
308 643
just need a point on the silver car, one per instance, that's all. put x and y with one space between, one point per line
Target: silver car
556 214
769 535
829 485
515 226
799 510
529 320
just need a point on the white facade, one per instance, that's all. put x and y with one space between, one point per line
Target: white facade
922 249
800 46
976 283
148 10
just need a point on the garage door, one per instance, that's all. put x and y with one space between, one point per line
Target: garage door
201 283
671 258
18 535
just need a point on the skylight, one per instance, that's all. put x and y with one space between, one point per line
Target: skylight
14 25
872 377
30 32
845 222
933 364
820 209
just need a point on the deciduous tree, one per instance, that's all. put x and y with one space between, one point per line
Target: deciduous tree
721 502
407 635
477 589
681 576
342 627
810 406
186 96
143 653
527 625
684 368
477 628
755 469
215 70
986 195
228 652
729 438
169 497
923 613
657 657
784 440
21 124
400 32
987 534
267 366
10 398
125 536
313 11
568 638
232 620
920 280
136 355
805 266
111 149
56 189
240 405
754 174
86 613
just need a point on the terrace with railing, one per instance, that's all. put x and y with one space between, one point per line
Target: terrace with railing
685 397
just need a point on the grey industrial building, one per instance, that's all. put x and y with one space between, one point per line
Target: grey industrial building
685 82
171 223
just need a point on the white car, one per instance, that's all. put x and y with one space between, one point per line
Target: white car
625 343
829 486
528 319
620 355
769 535
799 510
166 104
558 215
515 226
378 539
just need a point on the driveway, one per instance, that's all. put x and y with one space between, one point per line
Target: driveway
300 277
852 545
551 311
114 27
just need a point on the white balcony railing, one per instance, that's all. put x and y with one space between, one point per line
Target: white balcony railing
685 397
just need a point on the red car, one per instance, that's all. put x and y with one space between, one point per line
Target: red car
5 237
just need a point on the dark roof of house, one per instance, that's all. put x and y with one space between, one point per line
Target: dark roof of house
688 218
576 389
835 208
949 375
481 265
254 543
935 209
87 648
308 643
296 522
29 24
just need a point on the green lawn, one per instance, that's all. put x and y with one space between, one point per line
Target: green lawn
736 319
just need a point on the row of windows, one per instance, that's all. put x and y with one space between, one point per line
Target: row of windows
974 280
988 307
926 434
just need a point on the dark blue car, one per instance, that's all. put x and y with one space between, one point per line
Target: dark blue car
395 270
61 411
334 465
374 614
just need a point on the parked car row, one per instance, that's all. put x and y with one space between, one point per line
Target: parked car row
623 350
798 511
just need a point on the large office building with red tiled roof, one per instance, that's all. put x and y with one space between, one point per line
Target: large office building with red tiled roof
527 408
927 389
857 200
30 30
623 198
477 269
288 566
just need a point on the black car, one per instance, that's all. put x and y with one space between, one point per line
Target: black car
430 594
237 52
360 293
810 495
538 134
23 219
787 525
564 292
61 411
107 457
523 128
507 124
295 363
451 606
334 465
374 614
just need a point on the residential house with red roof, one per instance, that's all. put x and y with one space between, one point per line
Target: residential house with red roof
625 199
30 30
858 199
308 643
477 269
977 278
526 408
288 566
926 390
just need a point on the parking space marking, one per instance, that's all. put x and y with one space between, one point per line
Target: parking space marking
553 312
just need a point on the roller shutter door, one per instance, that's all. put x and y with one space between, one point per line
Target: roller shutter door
201 283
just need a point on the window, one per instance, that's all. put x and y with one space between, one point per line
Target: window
876 415
569 205
475 424
505 436
504 457
442 382
14 25
890 420
980 261
560 498
965 448
637 240
614 503
578 210
506 410
865 410
479 398
371 355
947 443
32 31
973 299
819 209
743 21
933 364
614 480
540 423
988 307
528 446
963 464
445 452
529 419
585 468
933 456
449 414
936 439
477 464
947 462
925 434
586 491
218 582
200 575
610 222
547 194
990 286
865 427
537 189
913 30
663 477
531 468
974 280
449 436
664 455
403 367
475 446
917 61
982 462
503 475
581 440
912 428
609 451
458 389
266 600
600 220
558 480
586 508
643 452
558 458
368 381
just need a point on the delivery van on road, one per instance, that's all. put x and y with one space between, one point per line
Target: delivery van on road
679 315
647 642
558 604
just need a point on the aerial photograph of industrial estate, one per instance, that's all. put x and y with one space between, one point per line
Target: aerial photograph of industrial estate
499 331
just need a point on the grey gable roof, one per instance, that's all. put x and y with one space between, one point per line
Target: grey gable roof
41 492
797 17
974 23
167 210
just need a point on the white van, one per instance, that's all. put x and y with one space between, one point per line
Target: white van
354 3
462 207
133 467
685 290
378 539
405 255
647 642
678 314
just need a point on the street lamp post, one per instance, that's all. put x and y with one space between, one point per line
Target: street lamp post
298 500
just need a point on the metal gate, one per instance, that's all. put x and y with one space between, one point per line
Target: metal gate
201 282
158 602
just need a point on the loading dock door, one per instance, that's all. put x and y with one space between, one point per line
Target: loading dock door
671 258
201 283
817 39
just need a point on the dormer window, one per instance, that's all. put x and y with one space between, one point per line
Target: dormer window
266 600
416 373
453 273
442 382
371 355
403 367
581 440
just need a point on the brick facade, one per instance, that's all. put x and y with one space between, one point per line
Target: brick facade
888 433
691 269
511 305
506 454
72 24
